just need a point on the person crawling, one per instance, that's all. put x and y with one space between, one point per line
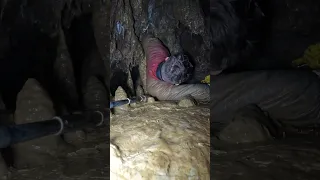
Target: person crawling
166 74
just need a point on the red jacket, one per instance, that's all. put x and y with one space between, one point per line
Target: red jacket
155 53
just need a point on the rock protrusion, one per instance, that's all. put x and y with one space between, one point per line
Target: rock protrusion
120 94
34 105
139 91
186 102
95 94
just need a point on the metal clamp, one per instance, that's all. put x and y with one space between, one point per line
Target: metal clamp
102 118
61 125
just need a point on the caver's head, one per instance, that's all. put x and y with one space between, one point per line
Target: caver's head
176 69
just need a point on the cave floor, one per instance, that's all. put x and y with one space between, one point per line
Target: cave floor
160 140
90 162
297 159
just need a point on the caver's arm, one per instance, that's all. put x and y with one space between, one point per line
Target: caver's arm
165 91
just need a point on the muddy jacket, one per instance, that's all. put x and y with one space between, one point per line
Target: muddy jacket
155 54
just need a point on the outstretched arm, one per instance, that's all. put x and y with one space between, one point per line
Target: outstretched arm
166 91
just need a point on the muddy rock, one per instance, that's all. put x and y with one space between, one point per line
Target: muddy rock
120 95
33 104
186 102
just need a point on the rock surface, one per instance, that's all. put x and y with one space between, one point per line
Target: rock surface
64 71
286 159
89 162
95 94
121 95
33 105
187 102
160 141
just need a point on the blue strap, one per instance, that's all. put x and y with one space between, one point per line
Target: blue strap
158 72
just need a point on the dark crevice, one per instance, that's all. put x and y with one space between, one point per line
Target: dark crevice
82 46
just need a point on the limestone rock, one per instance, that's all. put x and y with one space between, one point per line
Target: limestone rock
33 105
245 128
186 102
160 142
151 100
120 95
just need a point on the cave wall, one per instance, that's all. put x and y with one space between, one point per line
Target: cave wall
294 25
30 45
180 25
289 27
